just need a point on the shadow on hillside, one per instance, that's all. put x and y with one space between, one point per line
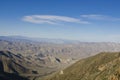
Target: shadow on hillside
11 76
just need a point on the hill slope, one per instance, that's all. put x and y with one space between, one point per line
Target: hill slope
104 66
15 66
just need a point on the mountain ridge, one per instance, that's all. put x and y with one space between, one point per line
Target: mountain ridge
103 66
43 40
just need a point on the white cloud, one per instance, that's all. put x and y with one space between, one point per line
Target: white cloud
100 17
51 19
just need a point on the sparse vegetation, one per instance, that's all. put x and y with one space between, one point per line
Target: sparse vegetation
104 66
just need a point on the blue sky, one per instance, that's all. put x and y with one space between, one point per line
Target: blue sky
84 20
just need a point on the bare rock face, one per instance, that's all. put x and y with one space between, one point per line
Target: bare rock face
61 72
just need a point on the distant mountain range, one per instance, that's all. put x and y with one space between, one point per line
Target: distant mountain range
42 40
38 59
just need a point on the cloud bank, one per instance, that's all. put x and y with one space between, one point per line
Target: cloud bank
51 19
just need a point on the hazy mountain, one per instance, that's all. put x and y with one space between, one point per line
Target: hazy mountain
104 66
42 40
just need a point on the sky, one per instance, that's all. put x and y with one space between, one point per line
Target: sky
83 20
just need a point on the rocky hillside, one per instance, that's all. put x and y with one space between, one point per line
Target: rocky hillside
20 66
104 66
39 59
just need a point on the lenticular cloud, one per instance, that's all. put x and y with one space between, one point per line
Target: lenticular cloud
51 19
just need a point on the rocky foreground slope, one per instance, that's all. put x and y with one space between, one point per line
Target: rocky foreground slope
104 66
